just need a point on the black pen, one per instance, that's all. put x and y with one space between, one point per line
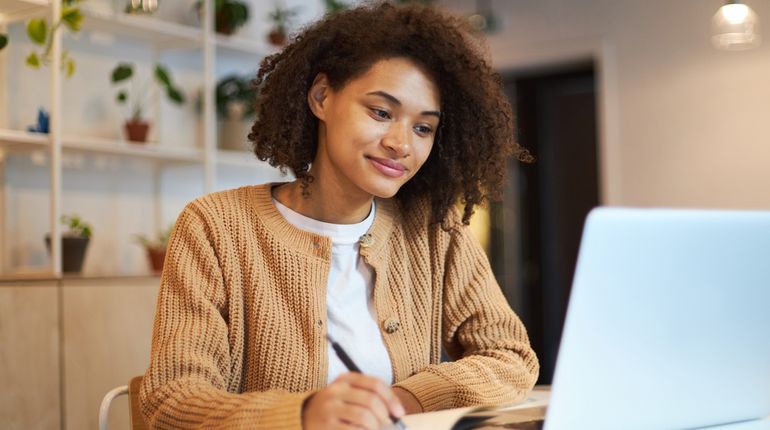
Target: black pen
345 358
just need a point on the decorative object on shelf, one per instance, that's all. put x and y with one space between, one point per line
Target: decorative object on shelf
735 27
484 19
136 126
74 243
229 15
141 7
236 99
38 33
282 19
156 248
43 120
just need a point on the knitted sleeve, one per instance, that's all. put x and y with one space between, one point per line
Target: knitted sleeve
494 361
194 377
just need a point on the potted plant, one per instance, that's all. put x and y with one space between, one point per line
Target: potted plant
282 19
236 100
156 248
74 242
229 15
136 126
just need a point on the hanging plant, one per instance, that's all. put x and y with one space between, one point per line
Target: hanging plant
38 32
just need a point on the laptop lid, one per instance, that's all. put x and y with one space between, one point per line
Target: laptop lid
668 324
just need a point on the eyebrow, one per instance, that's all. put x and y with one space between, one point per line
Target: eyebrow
397 102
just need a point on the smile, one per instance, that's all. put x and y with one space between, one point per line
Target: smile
388 167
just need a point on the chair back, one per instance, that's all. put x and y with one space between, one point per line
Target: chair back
137 422
134 414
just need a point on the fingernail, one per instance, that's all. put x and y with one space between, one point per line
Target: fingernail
400 411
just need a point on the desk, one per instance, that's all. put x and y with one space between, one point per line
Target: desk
524 416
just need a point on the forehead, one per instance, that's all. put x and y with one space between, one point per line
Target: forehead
401 78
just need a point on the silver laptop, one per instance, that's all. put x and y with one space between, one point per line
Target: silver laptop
668 325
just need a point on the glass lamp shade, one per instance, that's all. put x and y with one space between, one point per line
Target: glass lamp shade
735 27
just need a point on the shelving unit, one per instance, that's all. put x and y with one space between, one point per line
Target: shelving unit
161 36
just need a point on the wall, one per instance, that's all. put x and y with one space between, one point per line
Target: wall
682 124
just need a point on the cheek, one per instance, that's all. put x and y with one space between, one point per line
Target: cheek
422 151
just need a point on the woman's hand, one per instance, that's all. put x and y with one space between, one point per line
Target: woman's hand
352 401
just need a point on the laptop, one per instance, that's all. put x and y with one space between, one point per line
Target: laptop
668 324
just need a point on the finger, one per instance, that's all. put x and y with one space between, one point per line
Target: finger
358 416
377 386
370 401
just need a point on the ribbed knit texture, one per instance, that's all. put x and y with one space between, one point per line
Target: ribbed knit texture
238 340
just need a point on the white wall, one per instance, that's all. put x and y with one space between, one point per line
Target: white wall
682 124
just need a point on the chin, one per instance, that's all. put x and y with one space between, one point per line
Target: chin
383 191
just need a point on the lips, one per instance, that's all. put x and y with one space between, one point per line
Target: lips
388 167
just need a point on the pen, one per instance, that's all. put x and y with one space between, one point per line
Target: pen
345 358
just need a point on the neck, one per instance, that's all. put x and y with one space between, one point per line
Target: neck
325 202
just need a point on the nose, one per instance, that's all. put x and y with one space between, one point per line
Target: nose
396 140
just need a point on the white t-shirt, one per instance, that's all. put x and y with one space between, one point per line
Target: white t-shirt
349 301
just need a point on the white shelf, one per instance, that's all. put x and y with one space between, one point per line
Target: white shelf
17 10
15 140
160 33
231 157
149 150
238 45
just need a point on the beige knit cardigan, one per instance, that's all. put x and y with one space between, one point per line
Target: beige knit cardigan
238 340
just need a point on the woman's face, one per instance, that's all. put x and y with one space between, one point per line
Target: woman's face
377 131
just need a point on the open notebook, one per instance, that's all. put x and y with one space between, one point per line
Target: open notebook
531 409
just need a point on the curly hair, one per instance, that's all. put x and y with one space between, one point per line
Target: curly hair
475 133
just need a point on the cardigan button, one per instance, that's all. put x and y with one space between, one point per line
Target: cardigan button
366 240
391 325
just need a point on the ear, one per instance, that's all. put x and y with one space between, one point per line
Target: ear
316 96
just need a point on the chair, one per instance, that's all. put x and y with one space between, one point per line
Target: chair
132 389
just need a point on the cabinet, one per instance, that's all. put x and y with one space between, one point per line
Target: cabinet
83 165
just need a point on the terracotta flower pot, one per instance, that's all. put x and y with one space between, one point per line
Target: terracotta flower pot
156 256
136 130
277 37
73 252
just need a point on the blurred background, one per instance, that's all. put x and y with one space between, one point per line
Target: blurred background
130 109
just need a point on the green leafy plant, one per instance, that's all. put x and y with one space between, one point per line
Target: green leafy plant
333 6
229 15
39 33
160 241
236 97
139 91
3 40
76 227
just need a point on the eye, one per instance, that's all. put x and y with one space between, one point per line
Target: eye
380 113
423 130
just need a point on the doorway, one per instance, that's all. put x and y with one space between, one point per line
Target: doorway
538 225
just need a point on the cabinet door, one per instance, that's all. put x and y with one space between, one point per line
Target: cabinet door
29 357
107 336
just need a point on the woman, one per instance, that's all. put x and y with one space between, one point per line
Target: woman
387 116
